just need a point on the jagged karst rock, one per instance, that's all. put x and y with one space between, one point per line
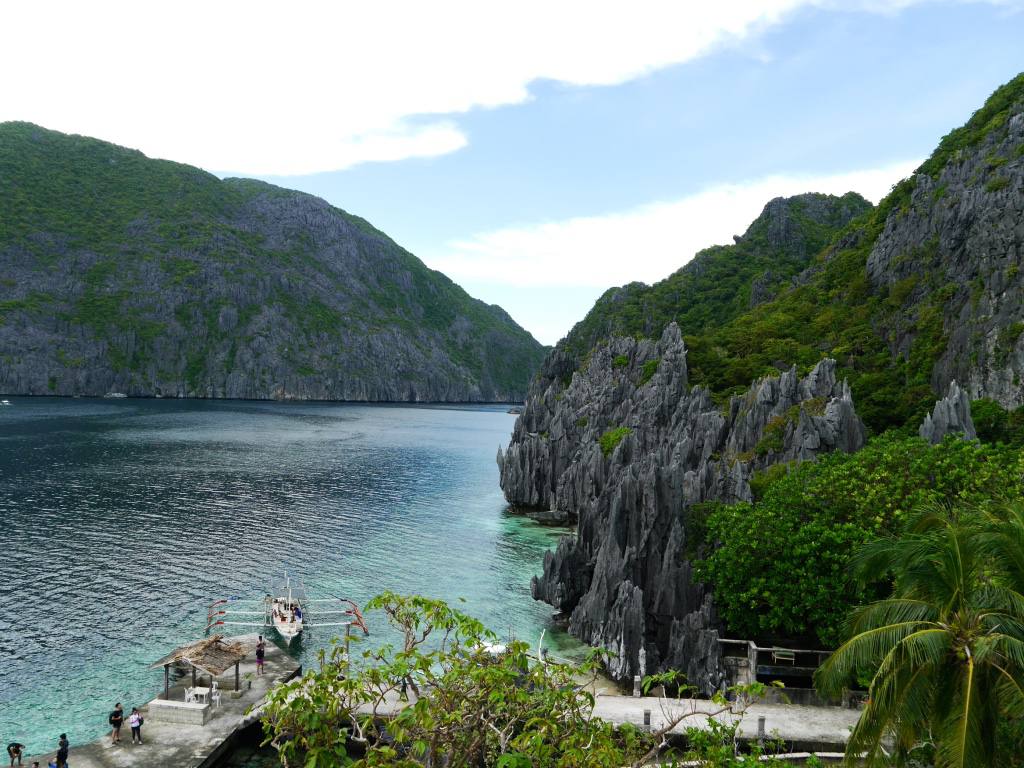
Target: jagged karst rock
951 416
625 579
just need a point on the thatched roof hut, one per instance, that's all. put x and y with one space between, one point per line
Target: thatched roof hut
211 656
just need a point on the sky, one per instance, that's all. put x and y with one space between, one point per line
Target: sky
536 153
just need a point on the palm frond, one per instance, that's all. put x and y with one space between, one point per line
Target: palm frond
860 652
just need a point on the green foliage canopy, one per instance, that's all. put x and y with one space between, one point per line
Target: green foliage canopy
779 567
472 705
947 648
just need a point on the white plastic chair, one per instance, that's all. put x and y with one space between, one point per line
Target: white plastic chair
215 697
190 696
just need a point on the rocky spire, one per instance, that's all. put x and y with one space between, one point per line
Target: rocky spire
951 415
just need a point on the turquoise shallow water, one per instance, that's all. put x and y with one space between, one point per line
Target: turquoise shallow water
122 519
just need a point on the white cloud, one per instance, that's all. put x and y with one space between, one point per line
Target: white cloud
645 243
271 88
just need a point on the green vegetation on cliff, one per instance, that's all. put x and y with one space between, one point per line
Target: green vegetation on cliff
717 285
807 520
161 278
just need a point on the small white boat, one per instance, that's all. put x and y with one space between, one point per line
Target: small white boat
5 402
284 609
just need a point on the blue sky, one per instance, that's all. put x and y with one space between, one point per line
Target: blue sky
540 160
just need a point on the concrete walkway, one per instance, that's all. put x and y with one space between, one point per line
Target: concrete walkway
818 729
801 727
175 745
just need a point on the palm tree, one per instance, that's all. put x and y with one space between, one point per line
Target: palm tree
948 646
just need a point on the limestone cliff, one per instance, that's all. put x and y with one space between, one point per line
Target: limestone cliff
628 447
957 245
123 273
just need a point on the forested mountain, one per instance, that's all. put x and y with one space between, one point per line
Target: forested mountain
678 424
123 273
724 281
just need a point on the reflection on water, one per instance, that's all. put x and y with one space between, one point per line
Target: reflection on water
122 520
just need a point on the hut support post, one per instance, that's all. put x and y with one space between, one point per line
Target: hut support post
236 675
193 677
167 681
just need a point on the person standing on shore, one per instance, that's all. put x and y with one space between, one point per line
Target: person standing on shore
63 747
261 652
14 750
135 721
116 719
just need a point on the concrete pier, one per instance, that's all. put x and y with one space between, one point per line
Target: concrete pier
169 744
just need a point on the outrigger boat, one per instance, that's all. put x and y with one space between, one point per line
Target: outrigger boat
284 609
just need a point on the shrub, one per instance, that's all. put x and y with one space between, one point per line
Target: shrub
649 369
995 424
997 183
610 439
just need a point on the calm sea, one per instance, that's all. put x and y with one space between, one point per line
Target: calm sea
121 520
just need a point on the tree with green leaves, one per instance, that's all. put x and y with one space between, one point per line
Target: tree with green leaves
779 566
471 703
946 650
474 704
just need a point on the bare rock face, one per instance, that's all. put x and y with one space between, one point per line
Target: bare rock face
627 447
951 415
955 250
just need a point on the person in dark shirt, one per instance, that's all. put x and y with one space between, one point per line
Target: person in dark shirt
63 747
14 750
116 719
261 652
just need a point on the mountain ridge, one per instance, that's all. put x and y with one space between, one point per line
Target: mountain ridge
148 277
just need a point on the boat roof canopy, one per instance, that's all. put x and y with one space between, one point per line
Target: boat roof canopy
298 590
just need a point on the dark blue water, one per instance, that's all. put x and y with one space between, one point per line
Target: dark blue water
121 520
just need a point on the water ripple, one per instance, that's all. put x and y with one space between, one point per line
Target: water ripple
123 520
